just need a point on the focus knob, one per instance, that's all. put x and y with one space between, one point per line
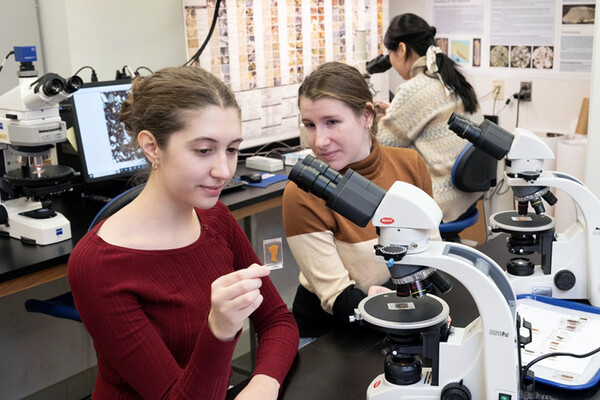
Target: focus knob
456 391
565 279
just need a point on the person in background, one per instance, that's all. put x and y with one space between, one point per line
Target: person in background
418 115
335 256
164 285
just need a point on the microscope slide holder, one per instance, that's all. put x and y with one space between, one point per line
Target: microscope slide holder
533 307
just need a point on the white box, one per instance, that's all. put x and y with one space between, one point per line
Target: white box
293 158
264 163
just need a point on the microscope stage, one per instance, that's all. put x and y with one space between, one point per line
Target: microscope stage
387 310
48 174
511 221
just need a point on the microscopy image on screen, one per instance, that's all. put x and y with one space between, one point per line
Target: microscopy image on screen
118 138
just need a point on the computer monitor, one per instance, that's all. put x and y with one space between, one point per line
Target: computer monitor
103 145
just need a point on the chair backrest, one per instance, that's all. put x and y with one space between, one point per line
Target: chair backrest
116 203
62 306
474 170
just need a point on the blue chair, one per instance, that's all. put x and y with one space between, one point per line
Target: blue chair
473 171
62 306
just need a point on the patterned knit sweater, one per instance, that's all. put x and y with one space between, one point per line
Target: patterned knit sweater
418 119
147 310
334 254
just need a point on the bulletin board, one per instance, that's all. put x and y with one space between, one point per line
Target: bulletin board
263 49
534 35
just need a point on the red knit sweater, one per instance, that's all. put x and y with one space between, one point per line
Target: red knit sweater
147 311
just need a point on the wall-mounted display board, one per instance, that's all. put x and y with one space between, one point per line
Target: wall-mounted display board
263 49
550 35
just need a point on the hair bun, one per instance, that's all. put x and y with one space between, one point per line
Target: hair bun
433 31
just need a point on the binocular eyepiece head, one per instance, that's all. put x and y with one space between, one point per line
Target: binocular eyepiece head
351 195
52 84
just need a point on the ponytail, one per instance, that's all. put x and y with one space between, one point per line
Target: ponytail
418 36
456 81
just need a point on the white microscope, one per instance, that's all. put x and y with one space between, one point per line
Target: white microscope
480 361
570 263
30 125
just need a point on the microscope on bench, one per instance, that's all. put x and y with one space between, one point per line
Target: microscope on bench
479 361
570 260
30 125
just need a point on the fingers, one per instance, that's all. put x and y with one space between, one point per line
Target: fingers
234 297
253 271
381 107
377 289
233 286
244 300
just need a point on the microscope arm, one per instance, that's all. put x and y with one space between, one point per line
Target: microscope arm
587 224
495 300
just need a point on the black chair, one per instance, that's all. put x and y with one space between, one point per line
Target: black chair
473 171
62 306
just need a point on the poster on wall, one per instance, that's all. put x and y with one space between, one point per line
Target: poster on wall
263 49
522 35
542 35
577 35
459 30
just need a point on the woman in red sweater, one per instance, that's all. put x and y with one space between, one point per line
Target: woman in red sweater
164 285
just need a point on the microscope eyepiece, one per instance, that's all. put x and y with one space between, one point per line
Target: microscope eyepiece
315 176
49 84
464 128
351 195
379 64
488 136
73 84
52 87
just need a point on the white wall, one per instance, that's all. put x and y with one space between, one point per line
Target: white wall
12 33
109 34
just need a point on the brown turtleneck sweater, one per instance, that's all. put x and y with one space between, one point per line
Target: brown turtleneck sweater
335 256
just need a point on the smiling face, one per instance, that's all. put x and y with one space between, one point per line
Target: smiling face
334 132
199 160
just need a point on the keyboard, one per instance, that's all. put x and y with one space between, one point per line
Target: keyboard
233 184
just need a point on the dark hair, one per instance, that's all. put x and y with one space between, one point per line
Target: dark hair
417 35
162 103
342 82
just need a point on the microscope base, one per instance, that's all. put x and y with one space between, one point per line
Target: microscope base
31 230
461 364
381 389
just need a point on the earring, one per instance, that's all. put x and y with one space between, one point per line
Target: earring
154 166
